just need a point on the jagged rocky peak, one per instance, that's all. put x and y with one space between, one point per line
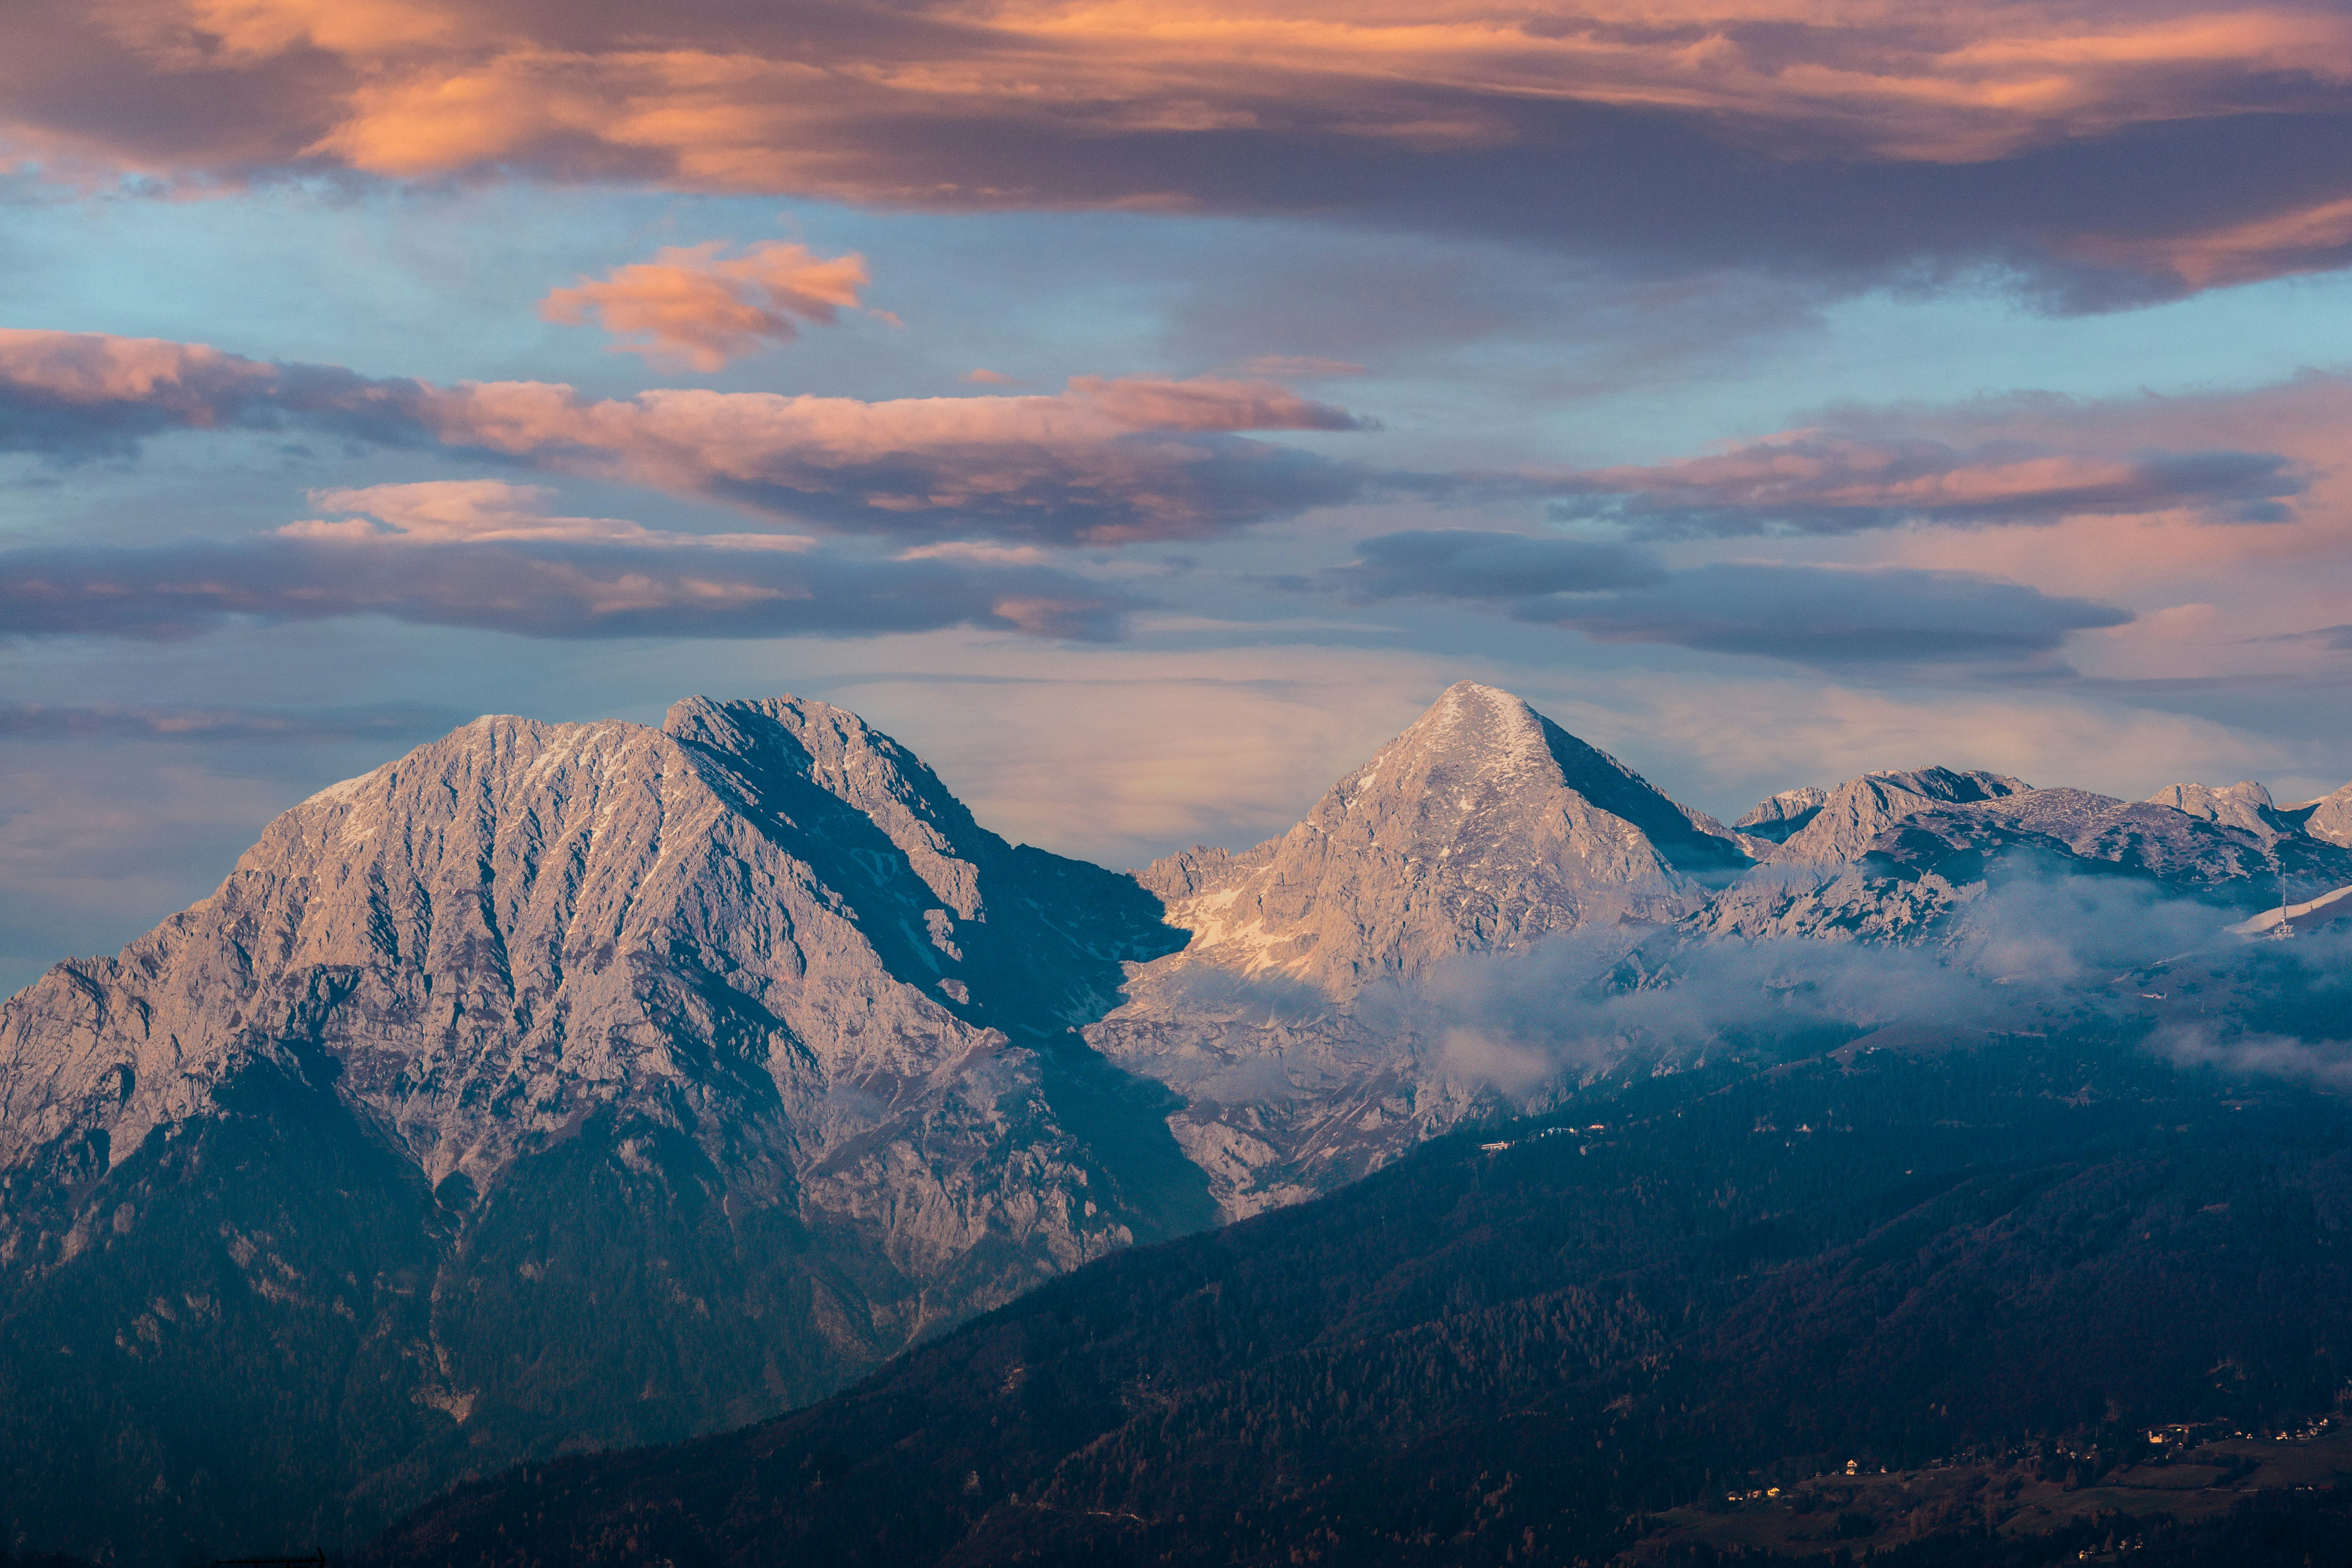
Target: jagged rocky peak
2245 805
1841 826
1482 826
733 1050
764 913
1928 876
503 868
840 754
1774 818
2329 816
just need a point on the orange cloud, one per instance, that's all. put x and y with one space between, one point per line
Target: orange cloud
1250 104
692 304
1965 82
2309 240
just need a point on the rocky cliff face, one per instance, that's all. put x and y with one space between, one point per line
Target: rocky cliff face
740 1029
1923 879
2245 805
1774 818
1483 825
1842 823
2330 818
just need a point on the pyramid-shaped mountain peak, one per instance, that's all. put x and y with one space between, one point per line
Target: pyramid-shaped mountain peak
1468 719
1482 826
1452 764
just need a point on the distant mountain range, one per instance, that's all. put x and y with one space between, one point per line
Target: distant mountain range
565 1087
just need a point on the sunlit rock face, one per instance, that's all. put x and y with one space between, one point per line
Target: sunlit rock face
1286 1022
1776 817
1314 1026
1840 824
735 1045
2331 817
2245 805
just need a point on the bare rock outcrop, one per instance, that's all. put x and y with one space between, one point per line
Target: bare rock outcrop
1776 816
1842 824
2245 805
763 911
2329 818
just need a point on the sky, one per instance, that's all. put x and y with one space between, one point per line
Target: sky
1143 410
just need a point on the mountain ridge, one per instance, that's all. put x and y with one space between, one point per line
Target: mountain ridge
632 1082
694 994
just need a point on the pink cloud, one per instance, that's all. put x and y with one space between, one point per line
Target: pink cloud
1106 461
1242 105
692 304
490 555
721 100
193 383
1827 481
482 512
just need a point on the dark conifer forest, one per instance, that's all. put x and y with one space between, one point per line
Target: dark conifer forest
1994 1270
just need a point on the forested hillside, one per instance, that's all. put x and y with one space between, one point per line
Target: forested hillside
2000 1253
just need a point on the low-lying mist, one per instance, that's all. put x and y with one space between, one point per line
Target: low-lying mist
2096 958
